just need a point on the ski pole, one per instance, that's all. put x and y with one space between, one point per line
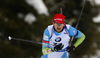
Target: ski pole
11 38
61 9
78 21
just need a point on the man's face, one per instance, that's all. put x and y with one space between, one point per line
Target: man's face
58 27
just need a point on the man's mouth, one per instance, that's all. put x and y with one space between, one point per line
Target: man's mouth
58 28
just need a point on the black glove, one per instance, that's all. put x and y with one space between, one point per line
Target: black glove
70 48
58 47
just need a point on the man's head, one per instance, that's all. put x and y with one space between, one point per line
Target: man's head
59 22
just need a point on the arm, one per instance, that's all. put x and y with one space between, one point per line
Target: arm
80 39
79 35
45 49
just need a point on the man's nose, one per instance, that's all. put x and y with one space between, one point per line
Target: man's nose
59 26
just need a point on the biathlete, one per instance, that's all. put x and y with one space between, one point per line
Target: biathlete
57 36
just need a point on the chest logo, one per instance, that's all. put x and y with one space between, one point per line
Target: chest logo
58 39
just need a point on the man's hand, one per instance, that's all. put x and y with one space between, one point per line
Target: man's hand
46 51
70 48
58 47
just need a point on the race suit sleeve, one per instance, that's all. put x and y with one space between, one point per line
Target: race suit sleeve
46 36
77 34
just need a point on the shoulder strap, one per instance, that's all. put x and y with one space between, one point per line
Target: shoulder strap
51 33
67 30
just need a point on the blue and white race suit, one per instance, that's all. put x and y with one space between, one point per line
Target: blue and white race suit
51 37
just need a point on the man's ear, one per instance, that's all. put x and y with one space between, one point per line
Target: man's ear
53 23
64 24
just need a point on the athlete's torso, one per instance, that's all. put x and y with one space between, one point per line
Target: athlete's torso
57 38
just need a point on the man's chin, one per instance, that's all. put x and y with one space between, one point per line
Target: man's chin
58 31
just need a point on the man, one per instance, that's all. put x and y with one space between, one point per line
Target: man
57 36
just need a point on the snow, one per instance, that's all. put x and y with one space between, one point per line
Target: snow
39 6
97 2
97 19
30 18
94 1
